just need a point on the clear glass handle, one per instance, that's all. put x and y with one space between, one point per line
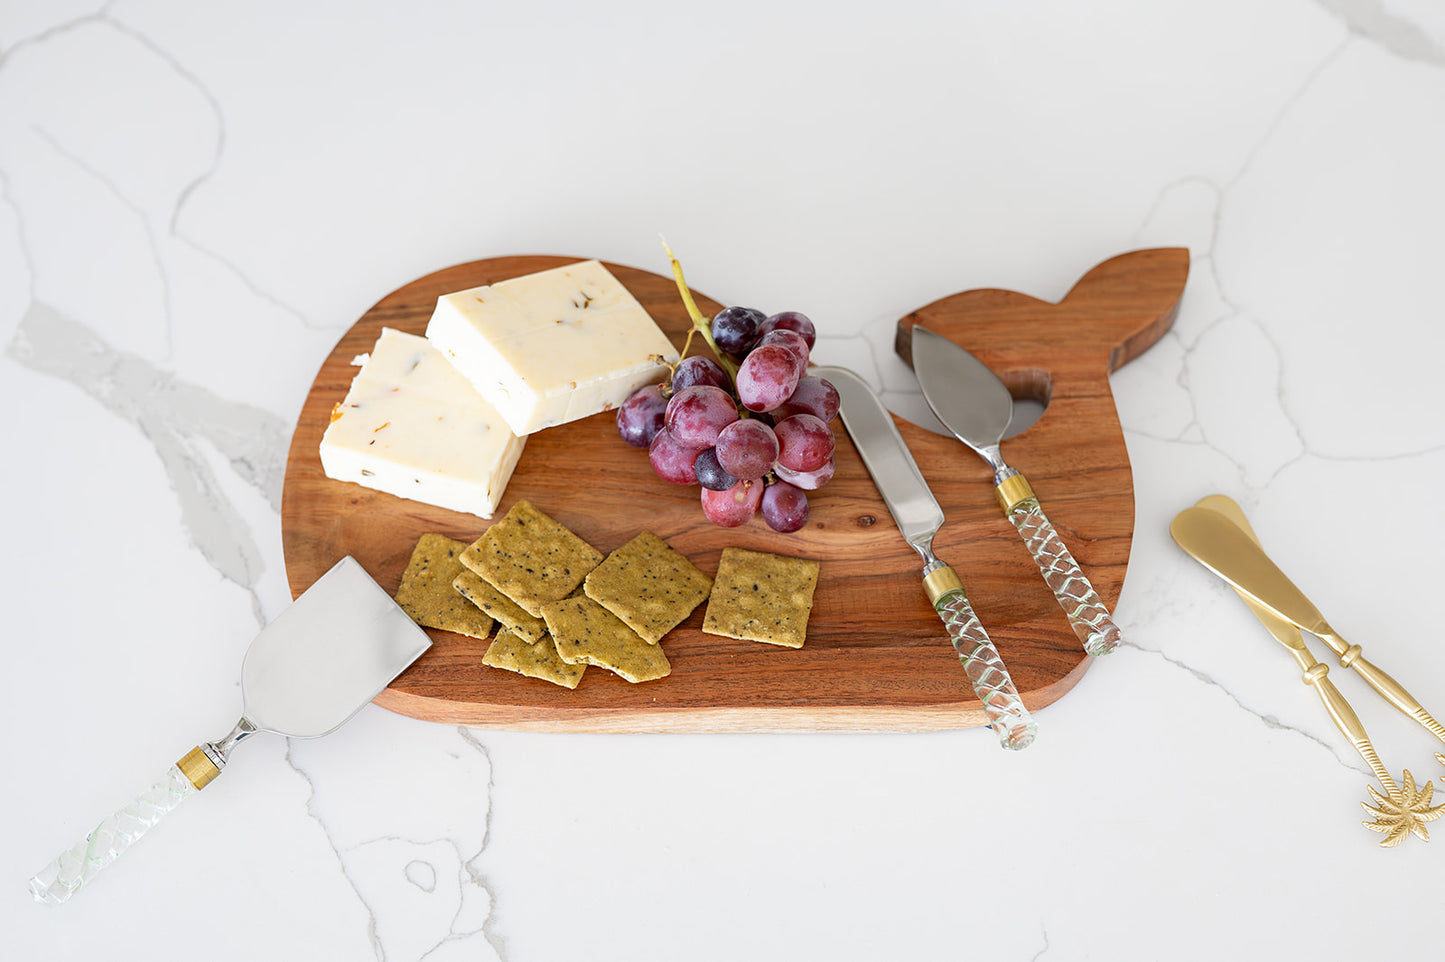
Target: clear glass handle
62 878
1086 613
1007 715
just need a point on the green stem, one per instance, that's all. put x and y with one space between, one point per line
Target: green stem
700 324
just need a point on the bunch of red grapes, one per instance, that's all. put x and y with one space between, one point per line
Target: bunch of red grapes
755 445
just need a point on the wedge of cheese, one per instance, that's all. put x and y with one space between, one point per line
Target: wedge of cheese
551 347
413 427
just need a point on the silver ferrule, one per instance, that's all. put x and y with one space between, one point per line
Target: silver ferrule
994 457
219 752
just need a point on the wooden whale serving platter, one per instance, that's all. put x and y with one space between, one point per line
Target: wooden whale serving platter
876 657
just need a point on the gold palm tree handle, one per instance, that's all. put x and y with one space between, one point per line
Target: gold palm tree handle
1350 655
1390 689
1403 809
1349 724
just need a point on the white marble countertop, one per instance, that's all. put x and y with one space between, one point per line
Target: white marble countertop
198 200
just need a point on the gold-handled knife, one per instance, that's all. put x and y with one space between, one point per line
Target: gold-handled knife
1221 546
1398 812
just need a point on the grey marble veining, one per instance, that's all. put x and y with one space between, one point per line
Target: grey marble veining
177 418
1395 30
155 160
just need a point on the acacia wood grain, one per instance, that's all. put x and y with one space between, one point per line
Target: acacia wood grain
876 657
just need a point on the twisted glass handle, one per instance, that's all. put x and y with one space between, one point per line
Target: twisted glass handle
1086 612
59 880
1007 715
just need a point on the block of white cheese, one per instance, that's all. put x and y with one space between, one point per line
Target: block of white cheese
551 347
413 427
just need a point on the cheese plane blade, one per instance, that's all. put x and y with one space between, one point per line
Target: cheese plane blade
305 675
918 516
976 407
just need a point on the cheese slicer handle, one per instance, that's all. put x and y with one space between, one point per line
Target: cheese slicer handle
1007 715
62 878
1087 615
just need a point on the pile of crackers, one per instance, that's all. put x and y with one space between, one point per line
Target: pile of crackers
560 605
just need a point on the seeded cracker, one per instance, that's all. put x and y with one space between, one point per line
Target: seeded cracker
507 612
587 633
426 591
530 558
649 585
534 659
761 597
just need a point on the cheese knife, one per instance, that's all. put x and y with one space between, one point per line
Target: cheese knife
976 407
1289 635
918 515
312 668
1222 546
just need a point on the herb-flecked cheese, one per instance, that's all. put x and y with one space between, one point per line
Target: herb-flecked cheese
551 347
413 427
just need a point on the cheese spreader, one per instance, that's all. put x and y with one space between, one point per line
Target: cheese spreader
1216 533
976 407
307 673
918 516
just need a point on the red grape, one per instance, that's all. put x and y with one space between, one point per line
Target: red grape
784 507
641 416
768 377
699 370
808 480
735 329
672 460
792 340
696 414
804 442
813 395
732 507
747 449
790 321
711 474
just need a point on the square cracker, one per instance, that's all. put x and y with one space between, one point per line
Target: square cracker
649 585
426 591
508 613
761 597
530 558
587 633
538 659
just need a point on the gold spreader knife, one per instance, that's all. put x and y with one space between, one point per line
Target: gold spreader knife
971 401
1400 811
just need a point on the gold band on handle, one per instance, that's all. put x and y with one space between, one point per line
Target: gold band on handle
1012 492
940 582
198 768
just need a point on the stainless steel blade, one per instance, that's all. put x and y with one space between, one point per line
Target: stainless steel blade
327 655
966 396
886 456
304 675
918 515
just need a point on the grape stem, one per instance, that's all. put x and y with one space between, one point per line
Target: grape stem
700 324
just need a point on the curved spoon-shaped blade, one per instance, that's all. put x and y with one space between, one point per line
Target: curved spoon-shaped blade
966 395
1283 631
1217 543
